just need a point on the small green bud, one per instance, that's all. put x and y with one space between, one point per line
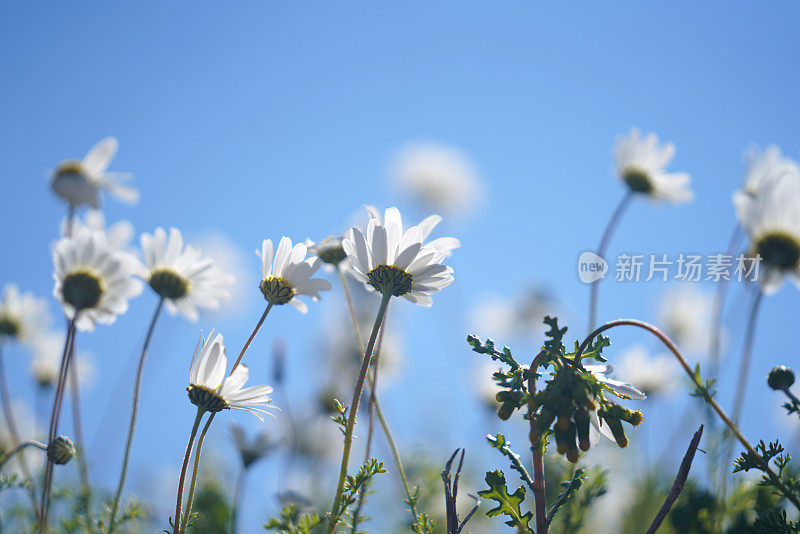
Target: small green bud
61 450
780 378
582 428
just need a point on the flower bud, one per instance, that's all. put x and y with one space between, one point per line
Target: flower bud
615 425
582 429
780 378
61 450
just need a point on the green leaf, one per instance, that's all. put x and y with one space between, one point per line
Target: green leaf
508 504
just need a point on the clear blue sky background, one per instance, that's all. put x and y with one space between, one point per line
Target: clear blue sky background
259 119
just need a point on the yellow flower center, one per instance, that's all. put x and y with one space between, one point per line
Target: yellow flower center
206 399
9 326
390 279
82 289
276 290
779 250
638 180
169 284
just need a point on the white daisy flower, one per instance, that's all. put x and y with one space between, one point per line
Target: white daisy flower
440 177
485 384
79 182
251 449
288 275
641 164
763 166
685 313
23 316
212 391
117 235
399 263
330 251
181 275
772 220
93 282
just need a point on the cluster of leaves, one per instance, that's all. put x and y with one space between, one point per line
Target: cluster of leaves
793 406
513 383
291 521
353 485
766 454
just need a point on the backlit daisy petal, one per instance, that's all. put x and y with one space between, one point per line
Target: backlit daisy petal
100 156
236 380
407 256
290 275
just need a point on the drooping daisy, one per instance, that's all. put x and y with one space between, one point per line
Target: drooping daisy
289 274
440 177
93 282
389 260
23 316
765 165
641 163
79 182
210 390
772 220
181 275
118 235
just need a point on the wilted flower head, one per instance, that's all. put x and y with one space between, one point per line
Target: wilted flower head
772 220
93 281
440 177
289 274
764 166
685 314
641 164
253 449
388 260
79 182
209 388
23 316
181 275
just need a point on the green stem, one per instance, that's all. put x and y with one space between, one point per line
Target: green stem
747 353
19 447
252 336
700 386
238 495
55 415
351 420
196 468
134 412
176 522
537 457
601 250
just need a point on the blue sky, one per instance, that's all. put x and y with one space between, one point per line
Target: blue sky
267 120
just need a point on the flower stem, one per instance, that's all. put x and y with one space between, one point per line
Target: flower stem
176 523
351 420
377 404
719 306
55 415
5 398
601 250
196 468
538 459
747 353
134 412
238 495
697 382
252 336
19 447
83 466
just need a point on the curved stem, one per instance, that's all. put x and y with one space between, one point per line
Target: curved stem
538 458
5 398
196 468
55 415
601 250
351 420
747 353
238 494
376 401
697 382
19 447
719 306
134 412
176 522
252 336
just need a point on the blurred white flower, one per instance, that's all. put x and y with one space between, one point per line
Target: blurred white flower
330 251
440 177
641 163
522 315
289 274
181 275
234 260
79 182
23 316
47 351
27 430
93 280
685 315
395 262
772 220
485 385
652 374
211 391
764 166
117 235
